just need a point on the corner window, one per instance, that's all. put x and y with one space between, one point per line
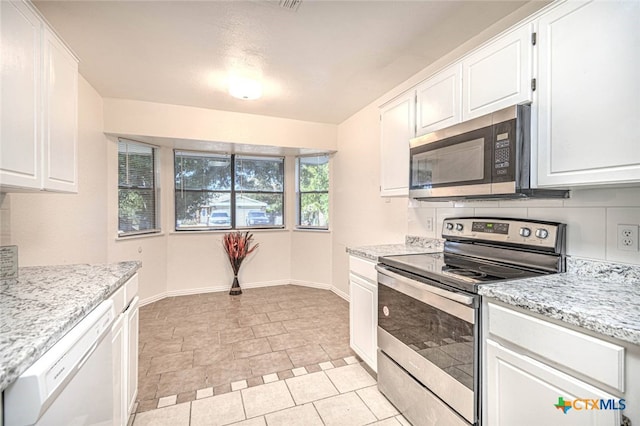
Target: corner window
138 192
225 191
312 190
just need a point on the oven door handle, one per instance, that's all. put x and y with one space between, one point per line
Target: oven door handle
401 279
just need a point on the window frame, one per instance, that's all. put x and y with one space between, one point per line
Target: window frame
233 192
155 190
299 194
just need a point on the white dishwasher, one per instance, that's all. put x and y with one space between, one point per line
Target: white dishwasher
71 384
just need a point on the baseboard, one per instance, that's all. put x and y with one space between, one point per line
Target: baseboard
190 291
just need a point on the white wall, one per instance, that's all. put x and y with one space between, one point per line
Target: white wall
66 228
129 117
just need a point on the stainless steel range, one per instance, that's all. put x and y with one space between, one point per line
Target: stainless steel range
429 312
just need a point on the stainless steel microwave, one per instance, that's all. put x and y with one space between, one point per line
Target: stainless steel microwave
487 157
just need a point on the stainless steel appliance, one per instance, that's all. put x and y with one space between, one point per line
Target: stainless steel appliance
487 157
429 312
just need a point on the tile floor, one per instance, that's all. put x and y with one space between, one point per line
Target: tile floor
278 355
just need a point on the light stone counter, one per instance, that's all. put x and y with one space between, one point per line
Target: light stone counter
412 245
44 303
598 296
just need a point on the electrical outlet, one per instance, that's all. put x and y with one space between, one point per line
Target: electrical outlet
428 224
628 237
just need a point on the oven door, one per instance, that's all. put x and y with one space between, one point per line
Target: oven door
459 165
432 334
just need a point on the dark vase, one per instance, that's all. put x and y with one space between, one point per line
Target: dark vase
235 287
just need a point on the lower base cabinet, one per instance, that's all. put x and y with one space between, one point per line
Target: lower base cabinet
363 311
132 314
539 372
523 391
124 339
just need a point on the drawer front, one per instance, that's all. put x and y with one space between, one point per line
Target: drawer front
118 301
592 357
363 268
131 289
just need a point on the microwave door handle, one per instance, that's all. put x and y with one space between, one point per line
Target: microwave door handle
456 297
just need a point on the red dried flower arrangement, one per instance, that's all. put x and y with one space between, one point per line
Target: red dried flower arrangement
238 246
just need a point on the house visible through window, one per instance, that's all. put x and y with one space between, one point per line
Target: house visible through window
313 191
224 191
137 189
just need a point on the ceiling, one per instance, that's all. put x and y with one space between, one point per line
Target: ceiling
322 63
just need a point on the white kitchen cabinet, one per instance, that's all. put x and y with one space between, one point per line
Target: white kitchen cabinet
588 94
523 391
39 104
363 310
117 346
20 79
60 102
439 100
124 338
397 126
132 353
498 74
531 362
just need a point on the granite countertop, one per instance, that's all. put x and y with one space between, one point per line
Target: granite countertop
44 303
412 245
597 296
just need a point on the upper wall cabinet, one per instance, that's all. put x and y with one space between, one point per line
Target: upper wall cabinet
589 94
438 101
397 126
498 74
39 80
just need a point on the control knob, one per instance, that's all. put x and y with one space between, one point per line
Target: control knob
525 232
449 226
542 233
459 227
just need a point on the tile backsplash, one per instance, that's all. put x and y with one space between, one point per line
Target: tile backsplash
591 215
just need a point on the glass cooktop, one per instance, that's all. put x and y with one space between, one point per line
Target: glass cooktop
462 272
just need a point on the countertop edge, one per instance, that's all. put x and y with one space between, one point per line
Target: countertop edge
11 369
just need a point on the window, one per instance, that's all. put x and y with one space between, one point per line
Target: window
313 191
224 191
138 193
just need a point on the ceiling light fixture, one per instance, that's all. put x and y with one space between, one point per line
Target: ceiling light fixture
244 88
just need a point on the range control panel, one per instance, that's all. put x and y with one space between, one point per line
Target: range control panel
516 231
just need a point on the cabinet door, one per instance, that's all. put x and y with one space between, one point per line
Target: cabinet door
589 94
397 126
438 101
117 347
363 319
499 74
20 50
522 391
132 353
60 146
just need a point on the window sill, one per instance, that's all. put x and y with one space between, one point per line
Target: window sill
224 231
138 236
320 231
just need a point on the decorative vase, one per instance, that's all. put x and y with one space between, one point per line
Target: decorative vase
235 287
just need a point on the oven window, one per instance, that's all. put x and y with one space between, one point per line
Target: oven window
442 338
455 163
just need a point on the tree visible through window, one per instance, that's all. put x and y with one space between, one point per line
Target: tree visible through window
218 191
313 191
137 189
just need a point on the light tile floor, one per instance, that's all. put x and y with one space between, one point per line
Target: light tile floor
273 355
308 399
